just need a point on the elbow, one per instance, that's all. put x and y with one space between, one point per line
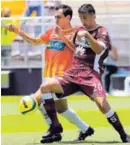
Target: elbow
35 42
97 48
99 51
115 58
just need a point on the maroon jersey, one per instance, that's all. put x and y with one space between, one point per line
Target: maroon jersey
84 56
85 73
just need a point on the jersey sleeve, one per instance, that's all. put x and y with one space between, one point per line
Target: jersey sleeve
103 38
45 38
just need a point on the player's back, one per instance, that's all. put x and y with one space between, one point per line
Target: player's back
58 57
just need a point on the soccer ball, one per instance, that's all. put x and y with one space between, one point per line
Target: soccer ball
27 104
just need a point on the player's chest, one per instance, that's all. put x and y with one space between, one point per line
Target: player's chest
83 47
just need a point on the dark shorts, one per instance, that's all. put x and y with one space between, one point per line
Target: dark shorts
86 81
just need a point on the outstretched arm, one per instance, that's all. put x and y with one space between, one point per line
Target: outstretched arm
24 35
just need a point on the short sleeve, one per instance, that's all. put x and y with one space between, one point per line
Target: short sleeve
103 38
46 36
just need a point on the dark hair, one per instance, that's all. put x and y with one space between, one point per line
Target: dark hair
67 10
86 8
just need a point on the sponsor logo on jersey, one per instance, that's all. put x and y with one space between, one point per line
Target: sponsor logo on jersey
56 45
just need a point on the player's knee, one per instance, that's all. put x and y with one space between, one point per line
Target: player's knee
45 88
103 106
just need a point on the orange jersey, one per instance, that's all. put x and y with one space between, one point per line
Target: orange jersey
58 57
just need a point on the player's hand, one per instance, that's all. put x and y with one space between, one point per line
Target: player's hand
12 28
59 32
82 33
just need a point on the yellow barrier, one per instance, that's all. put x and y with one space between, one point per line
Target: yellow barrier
16 7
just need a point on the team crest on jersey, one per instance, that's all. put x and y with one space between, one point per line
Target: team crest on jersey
79 51
82 39
83 42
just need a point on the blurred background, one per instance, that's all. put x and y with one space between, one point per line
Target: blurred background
22 64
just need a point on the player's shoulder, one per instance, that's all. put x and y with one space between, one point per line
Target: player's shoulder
50 30
102 29
79 28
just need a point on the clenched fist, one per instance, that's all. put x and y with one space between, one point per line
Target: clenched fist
12 28
82 33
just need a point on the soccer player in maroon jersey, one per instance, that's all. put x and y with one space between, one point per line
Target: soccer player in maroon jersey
92 44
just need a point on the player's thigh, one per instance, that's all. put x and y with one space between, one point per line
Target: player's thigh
97 94
68 87
61 105
95 90
93 86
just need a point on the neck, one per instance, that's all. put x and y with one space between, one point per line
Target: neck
67 26
93 26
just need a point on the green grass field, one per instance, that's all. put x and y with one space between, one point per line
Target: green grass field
20 129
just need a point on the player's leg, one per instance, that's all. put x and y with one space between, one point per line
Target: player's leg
63 109
48 134
97 93
67 88
49 105
43 110
44 113
112 117
70 88
41 106
53 86
47 100
67 112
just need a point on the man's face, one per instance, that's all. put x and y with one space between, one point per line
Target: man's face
87 20
61 20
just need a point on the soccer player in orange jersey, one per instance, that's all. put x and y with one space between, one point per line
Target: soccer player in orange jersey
58 58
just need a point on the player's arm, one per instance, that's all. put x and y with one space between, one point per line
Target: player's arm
113 54
67 41
95 44
30 39
25 36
